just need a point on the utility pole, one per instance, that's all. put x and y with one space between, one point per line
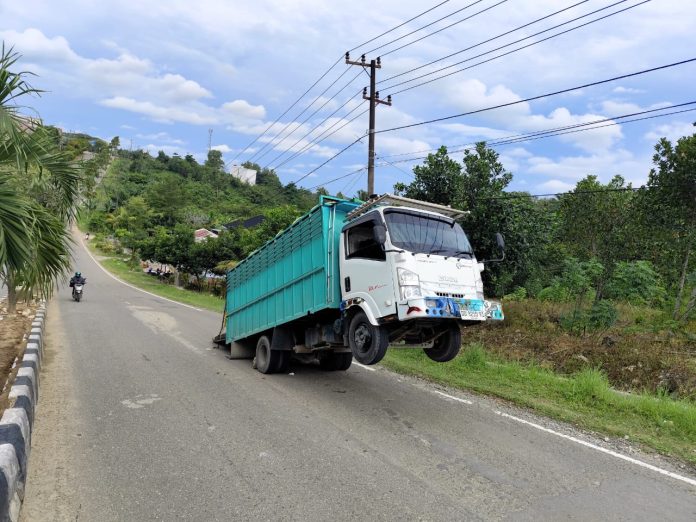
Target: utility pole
374 101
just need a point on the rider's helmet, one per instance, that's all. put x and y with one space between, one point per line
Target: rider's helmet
78 274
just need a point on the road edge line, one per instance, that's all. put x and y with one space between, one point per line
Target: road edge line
607 451
18 420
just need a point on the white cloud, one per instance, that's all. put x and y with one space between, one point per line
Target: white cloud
627 90
555 185
161 137
244 110
225 149
671 131
604 164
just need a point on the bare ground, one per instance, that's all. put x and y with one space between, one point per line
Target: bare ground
14 330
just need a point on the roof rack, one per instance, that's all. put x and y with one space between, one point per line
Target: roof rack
400 201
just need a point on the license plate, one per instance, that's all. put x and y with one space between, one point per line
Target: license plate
471 314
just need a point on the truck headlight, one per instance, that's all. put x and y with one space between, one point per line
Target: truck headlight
407 278
407 292
409 283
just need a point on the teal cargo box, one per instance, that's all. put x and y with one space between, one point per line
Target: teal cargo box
294 274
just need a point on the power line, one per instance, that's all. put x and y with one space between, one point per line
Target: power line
323 75
485 41
569 193
526 136
512 43
314 128
521 138
397 27
444 28
372 51
287 110
538 97
533 137
272 140
317 141
511 51
361 169
330 159
326 102
309 146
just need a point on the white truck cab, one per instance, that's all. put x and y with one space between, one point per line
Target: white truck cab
409 274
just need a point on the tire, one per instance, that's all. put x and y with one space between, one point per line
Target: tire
367 342
336 362
270 361
447 346
78 297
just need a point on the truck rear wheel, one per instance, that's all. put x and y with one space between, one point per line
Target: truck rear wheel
367 342
447 346
270 361
336 362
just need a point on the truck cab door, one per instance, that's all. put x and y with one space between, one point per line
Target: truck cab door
366 271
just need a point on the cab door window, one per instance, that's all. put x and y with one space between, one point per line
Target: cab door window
361 244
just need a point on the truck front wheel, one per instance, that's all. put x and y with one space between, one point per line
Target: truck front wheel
367 342
447 346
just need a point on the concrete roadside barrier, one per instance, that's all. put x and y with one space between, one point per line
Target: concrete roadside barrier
17 422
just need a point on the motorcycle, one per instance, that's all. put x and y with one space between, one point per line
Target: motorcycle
77 292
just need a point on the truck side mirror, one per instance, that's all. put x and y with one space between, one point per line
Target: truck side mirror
380 234
500 240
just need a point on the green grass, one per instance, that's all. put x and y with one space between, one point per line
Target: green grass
583 399
136 277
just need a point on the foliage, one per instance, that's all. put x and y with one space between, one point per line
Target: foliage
518 294
38 192
636 282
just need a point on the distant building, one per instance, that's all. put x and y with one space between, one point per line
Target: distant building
244 174
203 234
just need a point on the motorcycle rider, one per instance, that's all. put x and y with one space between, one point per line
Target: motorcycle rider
77 279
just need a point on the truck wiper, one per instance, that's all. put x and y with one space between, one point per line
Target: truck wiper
467 253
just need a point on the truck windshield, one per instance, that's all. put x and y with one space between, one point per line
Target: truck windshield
426 234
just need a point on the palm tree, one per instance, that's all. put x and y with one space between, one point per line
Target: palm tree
38 193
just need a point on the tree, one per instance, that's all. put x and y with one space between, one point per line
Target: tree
115 143
38 188
439 180
214 161
668 205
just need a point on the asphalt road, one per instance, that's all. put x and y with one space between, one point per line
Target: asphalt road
140 419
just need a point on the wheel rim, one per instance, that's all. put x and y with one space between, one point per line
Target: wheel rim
362 337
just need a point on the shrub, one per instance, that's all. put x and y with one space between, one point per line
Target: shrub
518 294
636 282
602 315
555 293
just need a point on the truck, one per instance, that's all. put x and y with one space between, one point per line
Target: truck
349 279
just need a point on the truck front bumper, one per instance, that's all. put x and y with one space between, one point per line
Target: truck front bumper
436 307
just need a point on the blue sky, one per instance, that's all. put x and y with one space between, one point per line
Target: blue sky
161 73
